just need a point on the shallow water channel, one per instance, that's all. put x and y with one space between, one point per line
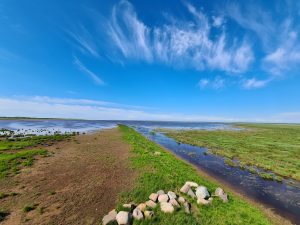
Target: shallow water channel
281 197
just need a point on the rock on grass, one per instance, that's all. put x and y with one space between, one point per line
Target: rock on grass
123 218
166 207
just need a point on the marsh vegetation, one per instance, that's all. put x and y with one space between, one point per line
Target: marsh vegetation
271 147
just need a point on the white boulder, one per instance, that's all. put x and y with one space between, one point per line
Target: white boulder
187 207
142 206
129 206
191 193
174 202
110 217
192 184
163 198
153 197
137 214
171 195
123 218
221 194
185 188
202 192
181 199
151 204
202 201
148 214
166 207
160 192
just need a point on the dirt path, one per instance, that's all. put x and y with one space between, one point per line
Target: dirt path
77 185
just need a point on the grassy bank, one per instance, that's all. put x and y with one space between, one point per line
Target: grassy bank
169 173
274 147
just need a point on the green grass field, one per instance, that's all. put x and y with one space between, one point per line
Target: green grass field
19 152
274 147
21 143
169 173
13 162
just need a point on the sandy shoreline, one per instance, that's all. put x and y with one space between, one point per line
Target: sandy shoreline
77 185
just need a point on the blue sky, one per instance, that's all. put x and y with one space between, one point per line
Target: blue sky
155 60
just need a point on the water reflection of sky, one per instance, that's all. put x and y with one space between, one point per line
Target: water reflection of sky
65 126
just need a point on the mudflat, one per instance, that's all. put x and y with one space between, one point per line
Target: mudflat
77 184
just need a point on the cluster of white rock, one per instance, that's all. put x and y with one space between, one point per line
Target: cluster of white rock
201 193
168 202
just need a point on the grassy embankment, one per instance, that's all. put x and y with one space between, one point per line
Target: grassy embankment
273 147
16 153
169 173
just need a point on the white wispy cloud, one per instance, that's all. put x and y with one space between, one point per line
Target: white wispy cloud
252 17
128 33
213 83
181 43
269 40
254 83
75 101
47 107
83 40
218 21
279 35
88 109
203 83
285 57
88 72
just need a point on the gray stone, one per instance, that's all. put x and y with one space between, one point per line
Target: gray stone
160 192
137 214
192 184
123 218
201 192
174 202
187 207
163 198
148 214
191 193
153 197
185 188
166 207
110 217
171 195
151 204
181 199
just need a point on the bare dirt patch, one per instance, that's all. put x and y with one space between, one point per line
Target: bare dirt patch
78 184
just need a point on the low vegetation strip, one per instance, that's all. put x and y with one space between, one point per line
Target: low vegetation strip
12 162
24 142
273 147
18 152
164 171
